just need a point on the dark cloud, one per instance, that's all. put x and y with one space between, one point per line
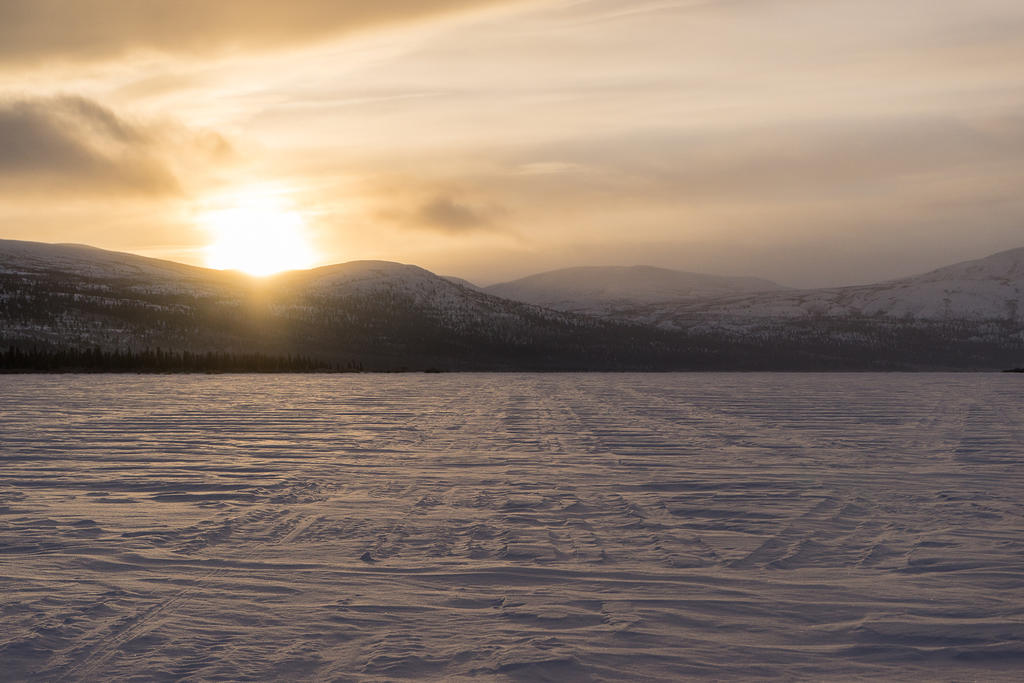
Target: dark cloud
448 215
73 145
33 30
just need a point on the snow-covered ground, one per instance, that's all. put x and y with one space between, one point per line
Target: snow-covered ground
534 527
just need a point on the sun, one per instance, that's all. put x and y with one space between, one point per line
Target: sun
259 235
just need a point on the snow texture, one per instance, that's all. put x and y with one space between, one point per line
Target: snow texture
512 527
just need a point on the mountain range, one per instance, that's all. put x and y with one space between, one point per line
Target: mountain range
387 315
991 288
618 290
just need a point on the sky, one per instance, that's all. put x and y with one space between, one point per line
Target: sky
811 142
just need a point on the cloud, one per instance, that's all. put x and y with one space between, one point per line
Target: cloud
35 30
446 214
75 146
922 190
801 160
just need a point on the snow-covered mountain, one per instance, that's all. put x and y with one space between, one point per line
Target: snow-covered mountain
617 290
987 289
381 313
390 315
968 315
19 257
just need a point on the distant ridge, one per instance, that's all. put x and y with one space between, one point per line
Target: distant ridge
461 282
605 290
985 289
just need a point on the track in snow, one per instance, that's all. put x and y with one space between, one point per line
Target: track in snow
512 527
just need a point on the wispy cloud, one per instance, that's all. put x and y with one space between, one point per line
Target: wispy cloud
74 146
33 30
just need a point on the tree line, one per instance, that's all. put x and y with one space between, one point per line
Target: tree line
97 359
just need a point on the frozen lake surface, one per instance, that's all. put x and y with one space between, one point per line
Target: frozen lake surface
536 527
